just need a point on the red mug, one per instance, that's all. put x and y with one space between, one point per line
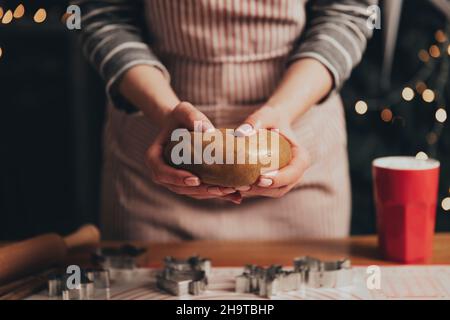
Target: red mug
406 193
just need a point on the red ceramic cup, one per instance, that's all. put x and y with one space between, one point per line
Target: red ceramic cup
406 192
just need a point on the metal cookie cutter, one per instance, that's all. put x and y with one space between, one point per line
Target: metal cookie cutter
191 263
181 277
248 282
307 271
91 279
180 284
325 274
118 258
267 282
55 285
100 278
276 280
85 290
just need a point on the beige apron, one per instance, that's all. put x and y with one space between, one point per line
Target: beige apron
225 57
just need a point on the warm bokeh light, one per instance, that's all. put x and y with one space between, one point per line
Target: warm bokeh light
421 87
421 156
446 204
424 56
7 17
448 49
361 107
408 94
428 95
432 138
1 52
40 16
440 36
441 115
1 12
19 12
434 51
386 115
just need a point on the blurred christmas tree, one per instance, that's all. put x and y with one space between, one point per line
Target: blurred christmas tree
406 117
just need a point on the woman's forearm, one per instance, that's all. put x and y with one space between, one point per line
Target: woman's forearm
303 85
147 89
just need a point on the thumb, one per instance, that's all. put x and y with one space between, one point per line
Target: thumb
191 118
261 119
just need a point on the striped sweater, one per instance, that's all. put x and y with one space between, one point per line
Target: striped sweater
114 38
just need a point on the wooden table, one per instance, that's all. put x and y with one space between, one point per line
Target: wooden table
362 250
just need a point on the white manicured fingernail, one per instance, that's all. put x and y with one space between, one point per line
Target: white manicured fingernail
270 174
244 130
243 188
192 181
207 127
265 182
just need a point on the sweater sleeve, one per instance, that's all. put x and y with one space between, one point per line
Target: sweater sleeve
112 38
336 35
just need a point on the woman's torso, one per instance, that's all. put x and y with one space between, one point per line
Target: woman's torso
225 57
224 51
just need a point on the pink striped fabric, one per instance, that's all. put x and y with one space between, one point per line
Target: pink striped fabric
240 47
226 57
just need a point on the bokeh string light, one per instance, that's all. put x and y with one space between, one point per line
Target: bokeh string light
433 60
420 87
386 115
8 15
430 84
40 15
434 51
408 94
421 155
428 95
446 204
441 115
19 11
361 107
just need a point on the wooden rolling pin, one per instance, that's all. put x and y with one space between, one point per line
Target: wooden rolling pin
36 254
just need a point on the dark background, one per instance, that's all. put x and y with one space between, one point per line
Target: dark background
52 110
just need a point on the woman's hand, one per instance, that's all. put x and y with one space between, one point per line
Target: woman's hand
305 83
182 182
277 183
